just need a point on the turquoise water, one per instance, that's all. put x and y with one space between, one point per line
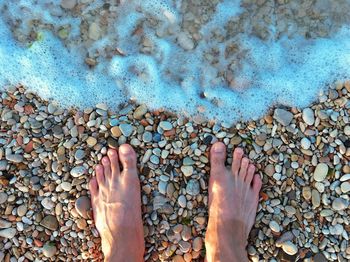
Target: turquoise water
223 60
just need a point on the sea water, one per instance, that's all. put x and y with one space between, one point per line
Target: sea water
244 57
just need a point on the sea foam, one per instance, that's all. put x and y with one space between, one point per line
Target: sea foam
287 70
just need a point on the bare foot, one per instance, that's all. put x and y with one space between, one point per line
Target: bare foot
116 204
233 201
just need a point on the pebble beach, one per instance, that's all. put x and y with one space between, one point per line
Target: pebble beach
48 155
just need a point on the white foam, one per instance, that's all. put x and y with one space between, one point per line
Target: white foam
288 71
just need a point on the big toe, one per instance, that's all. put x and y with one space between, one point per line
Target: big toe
127 157
217 157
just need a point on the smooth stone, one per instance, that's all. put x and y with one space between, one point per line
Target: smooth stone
79 154
154 159
3 165
126 129
188 161
282 116
315 198
91 141
66 186
83 206
5 223
49 249
8 233
306 191
345 187
50 222
182 201
116 132
47 203
78 171
165 125
147 137
22 210
140 111
197 244
170 190
15 158
290 248
193 187
187 170
114 122
94 31
305 143
345 177
162 186
3 197
340 204
321 172
319 257
326 213
347 130
286 236
274 226
308 116
184 246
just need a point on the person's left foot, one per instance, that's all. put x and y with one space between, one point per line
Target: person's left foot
116 204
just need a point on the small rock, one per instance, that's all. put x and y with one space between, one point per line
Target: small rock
49 249
306 192
162 187
309 116
319 257
91 141
140 111
165 125
22 210
4 223
147 137
197 244
68 4
66 186
345 187
315 198
8 233
116 131
78 171
290 248
3 197
321 172
50 222
182 201
305 143
47 203
79 154
94 31
3 165
83 206
126 129
282 116
347 130
340 204
274 226
193 187
187 170
154 159
16 158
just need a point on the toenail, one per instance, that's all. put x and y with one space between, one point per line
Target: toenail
219 148
125 150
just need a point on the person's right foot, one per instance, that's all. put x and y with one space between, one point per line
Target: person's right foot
233 201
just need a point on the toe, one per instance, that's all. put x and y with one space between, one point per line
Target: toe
250 174
127 157
257 183
218 156
237 158
93 187
244 168
100 177
107 167
113 158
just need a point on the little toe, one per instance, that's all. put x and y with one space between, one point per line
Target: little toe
236 162
217 157
100 177
127 157
250 174
93 187
114 159
256 184
107 167
244 168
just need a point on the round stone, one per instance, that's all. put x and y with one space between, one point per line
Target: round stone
165 125
187 170
116 131
66 186
154 159
290 248
3 197
305 143
347 130
162 187
8 233
79 154
50 222
315 198
22 210
345 187
182 201
340 204
83 206
126 129
78 171
147 137
308 116
197 244
274 226
140 111
321 172
193 187
47 203
91 141
49 249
